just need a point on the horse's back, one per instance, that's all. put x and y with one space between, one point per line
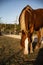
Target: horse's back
38 18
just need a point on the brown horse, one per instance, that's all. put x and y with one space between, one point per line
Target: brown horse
30 20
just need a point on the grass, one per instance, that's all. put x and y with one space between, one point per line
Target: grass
12 54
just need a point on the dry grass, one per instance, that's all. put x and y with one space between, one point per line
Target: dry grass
12 54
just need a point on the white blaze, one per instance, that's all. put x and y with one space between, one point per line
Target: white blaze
26 46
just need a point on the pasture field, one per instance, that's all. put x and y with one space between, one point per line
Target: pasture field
11 53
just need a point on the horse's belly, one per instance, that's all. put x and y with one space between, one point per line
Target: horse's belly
38 25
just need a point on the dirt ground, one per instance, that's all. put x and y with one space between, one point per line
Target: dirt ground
12 54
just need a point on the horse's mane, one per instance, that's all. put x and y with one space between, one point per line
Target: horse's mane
26 7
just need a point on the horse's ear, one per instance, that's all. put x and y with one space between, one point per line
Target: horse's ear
29 9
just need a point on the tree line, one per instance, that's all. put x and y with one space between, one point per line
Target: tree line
9 28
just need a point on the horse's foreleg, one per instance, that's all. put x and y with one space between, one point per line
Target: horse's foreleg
31 48
39 42
31 31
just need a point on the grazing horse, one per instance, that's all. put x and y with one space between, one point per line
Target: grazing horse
30 20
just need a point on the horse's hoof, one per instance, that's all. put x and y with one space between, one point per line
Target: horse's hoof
36 48
31 52
25 52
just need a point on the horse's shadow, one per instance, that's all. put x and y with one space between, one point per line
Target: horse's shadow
39 59
34 45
